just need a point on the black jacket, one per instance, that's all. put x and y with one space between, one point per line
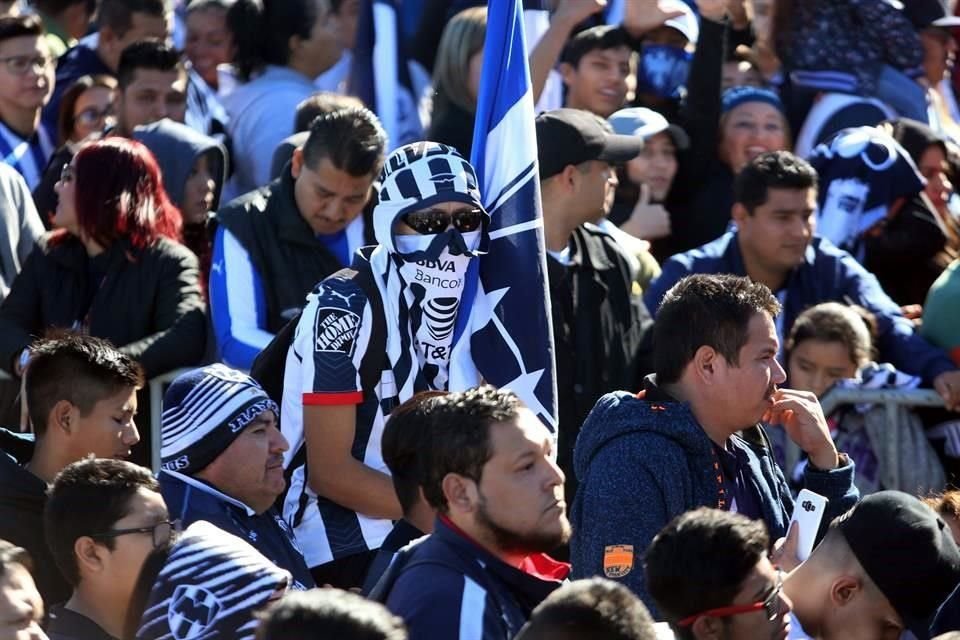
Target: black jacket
22 498
148 304
282 246
601 332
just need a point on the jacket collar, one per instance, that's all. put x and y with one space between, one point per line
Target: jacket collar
538 572
291 227
208 490
591 253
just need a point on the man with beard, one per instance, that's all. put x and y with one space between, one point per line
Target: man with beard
369 338
490 474
692 437
222 461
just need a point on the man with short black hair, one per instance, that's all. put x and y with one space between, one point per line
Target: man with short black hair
82 398
710 576
26 82
883 568
151 86
595 65
498 493
594 609
222 461
275 244
102 519
693 436
775 197
329 613
600 326
120 24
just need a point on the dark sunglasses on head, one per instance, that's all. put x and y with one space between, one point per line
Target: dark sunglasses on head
433 221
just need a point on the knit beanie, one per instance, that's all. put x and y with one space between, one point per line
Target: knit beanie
204 410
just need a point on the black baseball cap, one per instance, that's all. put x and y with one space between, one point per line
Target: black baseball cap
930 13
907 550
572 136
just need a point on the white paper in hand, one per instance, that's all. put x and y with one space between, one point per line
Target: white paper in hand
807 513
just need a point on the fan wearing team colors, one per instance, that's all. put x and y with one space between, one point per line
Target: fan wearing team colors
222 461
273 245
368 340
490 473
26 82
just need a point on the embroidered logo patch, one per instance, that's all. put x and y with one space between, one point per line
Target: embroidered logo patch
336 330
617 560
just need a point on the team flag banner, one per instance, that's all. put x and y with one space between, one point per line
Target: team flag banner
505 311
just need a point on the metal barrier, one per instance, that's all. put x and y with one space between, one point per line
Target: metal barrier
158 386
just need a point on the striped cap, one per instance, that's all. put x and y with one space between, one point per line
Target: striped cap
204 410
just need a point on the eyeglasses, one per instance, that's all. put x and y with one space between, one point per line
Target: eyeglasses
92 116
770 606
19 65
162 532
431 221
66 173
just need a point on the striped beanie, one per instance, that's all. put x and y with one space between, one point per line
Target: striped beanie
204 410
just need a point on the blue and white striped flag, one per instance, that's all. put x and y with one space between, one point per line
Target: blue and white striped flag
506 305
380 74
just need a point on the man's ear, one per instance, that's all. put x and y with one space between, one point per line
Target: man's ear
739 213
567 73
706 364
707 628
296 162
63 417
460 492
844 590
89 555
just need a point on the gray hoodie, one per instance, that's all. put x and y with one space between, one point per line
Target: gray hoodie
20 226
176 148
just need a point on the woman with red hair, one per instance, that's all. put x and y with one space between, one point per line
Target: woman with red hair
114 267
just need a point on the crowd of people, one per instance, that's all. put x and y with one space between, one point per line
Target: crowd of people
746 206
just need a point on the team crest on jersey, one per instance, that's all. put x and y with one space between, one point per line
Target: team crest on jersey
336 330
617 560
192 611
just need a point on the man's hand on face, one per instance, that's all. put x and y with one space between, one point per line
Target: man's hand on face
947 385
800 414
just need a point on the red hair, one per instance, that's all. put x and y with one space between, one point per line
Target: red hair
119 195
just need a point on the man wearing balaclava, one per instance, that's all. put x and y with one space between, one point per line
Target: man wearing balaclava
368 341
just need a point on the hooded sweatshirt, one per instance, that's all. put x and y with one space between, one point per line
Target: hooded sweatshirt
22 499
210 587
642 462
177 148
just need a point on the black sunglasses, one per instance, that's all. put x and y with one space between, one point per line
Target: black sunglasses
433 221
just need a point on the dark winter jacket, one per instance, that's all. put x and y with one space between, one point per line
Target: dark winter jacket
828 274
641 463
22 498
148 303
447 583
601 332
189 500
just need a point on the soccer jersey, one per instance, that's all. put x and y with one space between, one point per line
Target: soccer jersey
323 367
29 156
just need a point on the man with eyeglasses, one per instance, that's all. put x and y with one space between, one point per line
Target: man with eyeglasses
103 518
368 340
222 461
599 321
26 82
710 578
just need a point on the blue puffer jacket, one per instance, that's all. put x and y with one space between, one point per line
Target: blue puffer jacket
828 274
641 463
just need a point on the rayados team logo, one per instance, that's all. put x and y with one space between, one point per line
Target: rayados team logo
617 560
192 611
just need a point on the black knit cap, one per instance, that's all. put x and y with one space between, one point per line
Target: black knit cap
907 550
